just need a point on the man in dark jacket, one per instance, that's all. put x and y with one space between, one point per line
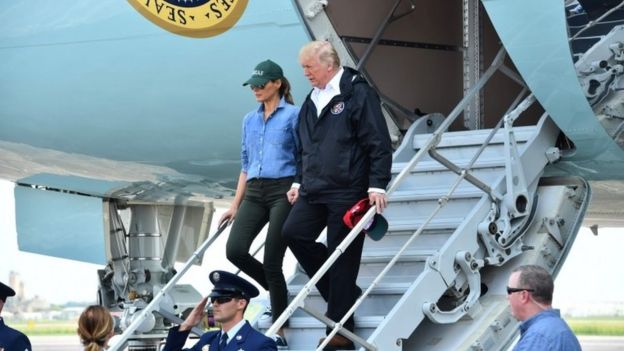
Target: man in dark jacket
346 155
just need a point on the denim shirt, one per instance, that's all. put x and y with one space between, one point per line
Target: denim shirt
269 148
546 331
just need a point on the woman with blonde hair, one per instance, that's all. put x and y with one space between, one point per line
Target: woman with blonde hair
95 328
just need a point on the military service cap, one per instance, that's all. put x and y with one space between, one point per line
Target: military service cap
5 291
228 284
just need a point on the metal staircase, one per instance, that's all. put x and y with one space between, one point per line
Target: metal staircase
443 233
457 226
464 209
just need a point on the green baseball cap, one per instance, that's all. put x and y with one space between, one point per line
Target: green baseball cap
264 72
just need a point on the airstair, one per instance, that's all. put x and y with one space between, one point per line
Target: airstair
464 209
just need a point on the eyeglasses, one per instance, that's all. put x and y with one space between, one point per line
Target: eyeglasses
254 87
513 290
221 299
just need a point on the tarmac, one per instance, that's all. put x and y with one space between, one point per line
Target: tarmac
72 343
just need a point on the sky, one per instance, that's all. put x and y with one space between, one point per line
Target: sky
592 275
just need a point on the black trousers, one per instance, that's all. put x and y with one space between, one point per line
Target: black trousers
265 201
303 226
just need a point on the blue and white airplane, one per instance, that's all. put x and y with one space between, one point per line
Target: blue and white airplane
120 124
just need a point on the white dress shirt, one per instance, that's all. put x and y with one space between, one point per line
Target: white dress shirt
232 332
322 97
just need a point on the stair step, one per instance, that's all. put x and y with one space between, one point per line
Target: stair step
385 255
398 225
313 323
385 288
428 165
392 242
423 181
304 332
468 191
467 138
414 214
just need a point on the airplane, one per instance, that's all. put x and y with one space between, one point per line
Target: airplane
120 125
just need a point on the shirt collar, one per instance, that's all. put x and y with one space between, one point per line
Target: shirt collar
543 314
281 104
235 329
333 84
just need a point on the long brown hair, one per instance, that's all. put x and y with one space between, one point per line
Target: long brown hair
95 327
284 91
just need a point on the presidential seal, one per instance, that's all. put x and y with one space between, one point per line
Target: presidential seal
337 108
192 18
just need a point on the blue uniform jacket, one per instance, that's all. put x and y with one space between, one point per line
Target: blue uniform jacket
13 340
247 339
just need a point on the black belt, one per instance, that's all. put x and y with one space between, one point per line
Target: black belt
271 180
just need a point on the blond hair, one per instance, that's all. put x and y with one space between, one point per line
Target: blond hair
323 50
95 327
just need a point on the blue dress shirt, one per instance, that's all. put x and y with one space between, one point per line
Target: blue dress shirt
269 148
546 331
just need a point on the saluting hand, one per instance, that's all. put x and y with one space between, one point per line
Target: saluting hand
379 199
195 316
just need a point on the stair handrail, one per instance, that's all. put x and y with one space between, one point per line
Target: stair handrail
298 301
153 305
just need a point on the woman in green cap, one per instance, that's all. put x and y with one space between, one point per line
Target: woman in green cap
269 163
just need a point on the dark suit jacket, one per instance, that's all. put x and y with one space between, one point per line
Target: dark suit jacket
247 339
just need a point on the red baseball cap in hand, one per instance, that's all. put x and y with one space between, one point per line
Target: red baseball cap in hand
376 228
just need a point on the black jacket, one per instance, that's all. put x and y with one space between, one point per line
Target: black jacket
347 149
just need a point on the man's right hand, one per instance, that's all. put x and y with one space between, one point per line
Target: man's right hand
195 316
292 195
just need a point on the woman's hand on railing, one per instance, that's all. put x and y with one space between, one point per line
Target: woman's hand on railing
379 199
228 216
